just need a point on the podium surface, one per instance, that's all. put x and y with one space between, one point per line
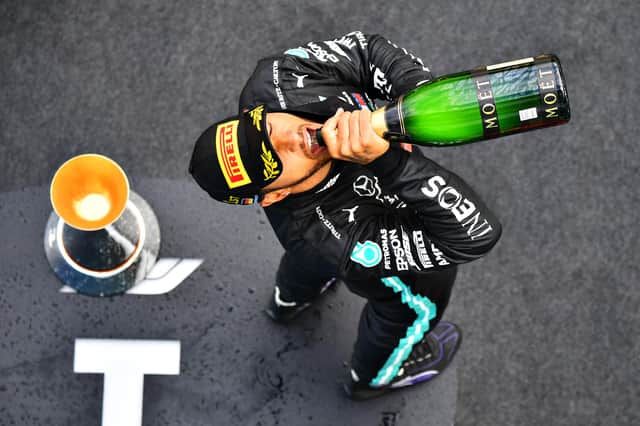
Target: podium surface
237 368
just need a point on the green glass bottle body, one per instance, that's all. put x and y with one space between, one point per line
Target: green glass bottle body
480 104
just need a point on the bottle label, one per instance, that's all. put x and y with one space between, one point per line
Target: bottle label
549 99
487 104
528 114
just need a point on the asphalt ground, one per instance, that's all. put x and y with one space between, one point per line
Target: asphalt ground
237 367
550 315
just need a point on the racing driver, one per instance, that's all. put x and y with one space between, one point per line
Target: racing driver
384 219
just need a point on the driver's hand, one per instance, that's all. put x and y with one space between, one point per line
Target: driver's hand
350 137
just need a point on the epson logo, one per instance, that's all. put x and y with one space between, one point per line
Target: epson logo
391 244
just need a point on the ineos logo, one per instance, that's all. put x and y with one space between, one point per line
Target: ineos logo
463 209
364 186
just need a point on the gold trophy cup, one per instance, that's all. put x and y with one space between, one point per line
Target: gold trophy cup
102 238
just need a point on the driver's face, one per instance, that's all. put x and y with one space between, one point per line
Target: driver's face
304 162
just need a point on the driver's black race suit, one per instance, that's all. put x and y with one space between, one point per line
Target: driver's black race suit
393 230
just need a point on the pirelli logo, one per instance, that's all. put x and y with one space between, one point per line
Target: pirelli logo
229 156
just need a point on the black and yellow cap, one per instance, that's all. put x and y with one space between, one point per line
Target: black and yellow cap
233 159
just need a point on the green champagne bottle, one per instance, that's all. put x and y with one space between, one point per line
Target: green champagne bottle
483 103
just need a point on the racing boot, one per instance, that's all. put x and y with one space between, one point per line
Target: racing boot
427 360
283 312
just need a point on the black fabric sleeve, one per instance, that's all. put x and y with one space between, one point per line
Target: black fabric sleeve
353 62
391 71
444 223
382 69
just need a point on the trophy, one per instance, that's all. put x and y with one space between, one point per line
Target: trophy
101 238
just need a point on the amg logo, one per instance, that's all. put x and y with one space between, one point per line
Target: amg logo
440 260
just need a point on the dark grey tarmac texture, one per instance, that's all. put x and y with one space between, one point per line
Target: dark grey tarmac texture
550 316
237 367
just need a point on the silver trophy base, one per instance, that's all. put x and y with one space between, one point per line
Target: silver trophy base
110 260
